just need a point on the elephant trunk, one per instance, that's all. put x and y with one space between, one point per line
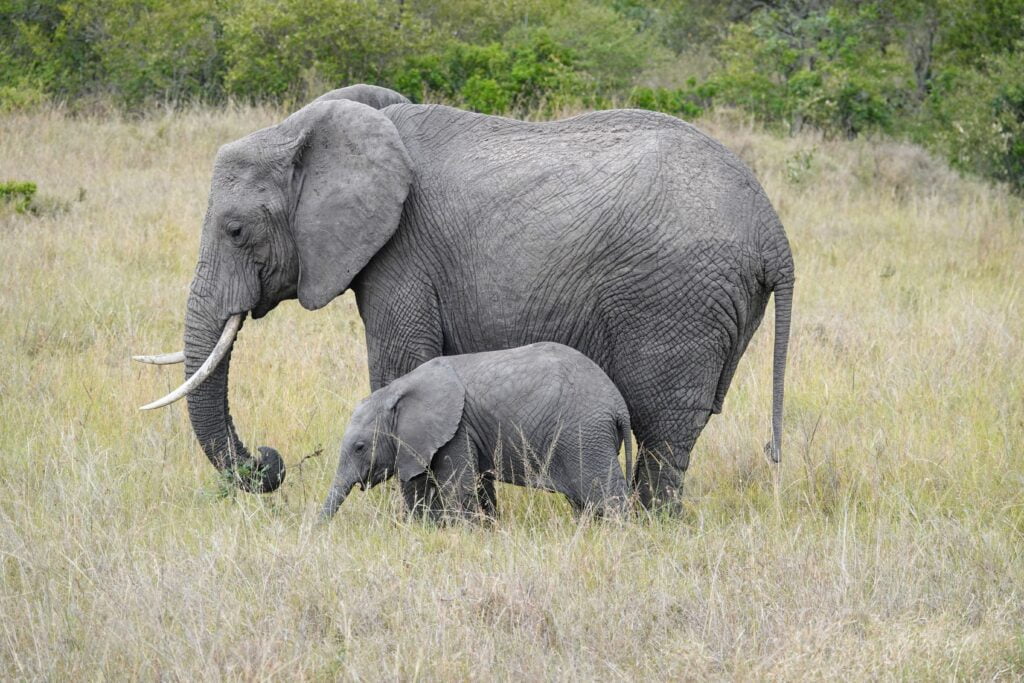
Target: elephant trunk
343 483
208 409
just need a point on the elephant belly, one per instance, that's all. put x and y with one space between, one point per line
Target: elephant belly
517 462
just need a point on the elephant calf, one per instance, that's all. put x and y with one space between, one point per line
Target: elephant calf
542 415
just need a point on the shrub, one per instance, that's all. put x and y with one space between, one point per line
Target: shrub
21 95
18 194
822 69
609 47
495 78
680 102
271 48
976 117
161 50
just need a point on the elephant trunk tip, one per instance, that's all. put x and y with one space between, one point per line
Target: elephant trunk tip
263 475
339 492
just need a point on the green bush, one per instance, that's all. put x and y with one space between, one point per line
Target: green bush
18 194
52 45
275 50
976 116
494 78
161 50
608 48
485 95
21 95
824 70
680 102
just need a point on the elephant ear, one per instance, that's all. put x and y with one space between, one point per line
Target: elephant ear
428 411
350 176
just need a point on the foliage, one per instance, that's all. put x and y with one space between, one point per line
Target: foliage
495 78
821 69
18 194
976 116
941 72
21 95
682 102
610 49
273 49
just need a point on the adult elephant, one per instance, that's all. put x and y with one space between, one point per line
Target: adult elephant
628 235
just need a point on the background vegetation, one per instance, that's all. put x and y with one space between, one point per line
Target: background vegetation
944 73
888 544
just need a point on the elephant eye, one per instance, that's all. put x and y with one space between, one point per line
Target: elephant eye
234 230
360 447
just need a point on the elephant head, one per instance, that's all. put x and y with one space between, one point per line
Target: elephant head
295 211
399 428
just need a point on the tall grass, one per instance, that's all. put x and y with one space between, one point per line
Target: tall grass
889 543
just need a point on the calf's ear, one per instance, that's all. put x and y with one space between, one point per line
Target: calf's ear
428 412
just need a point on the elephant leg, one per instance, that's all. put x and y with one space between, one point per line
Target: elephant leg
399 339
676 355
664 456
603 500
487 497
455 470
421 499
669 406
608 492
402 322
584 466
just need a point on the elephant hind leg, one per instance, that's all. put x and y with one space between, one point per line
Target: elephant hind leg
668 410
590 475
664 456
488 499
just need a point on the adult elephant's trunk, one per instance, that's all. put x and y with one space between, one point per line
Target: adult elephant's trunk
208 408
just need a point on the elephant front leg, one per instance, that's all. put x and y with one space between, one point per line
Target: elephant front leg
421 498
402 321
457 477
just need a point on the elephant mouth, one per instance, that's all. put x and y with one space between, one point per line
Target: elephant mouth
272 293
261 310
374 478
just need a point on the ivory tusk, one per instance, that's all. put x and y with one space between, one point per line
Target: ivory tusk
162 358
227 337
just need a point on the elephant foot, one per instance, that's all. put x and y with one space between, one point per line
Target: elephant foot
659 482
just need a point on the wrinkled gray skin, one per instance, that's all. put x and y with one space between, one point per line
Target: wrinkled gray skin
628 235
542 415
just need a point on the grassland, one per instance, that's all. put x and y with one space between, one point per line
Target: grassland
888 544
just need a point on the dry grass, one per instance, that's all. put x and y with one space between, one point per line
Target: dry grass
888 544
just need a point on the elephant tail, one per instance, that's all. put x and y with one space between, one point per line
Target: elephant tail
783 311
622 423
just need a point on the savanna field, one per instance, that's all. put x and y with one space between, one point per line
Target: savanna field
888 544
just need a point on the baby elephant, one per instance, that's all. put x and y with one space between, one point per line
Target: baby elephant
542 415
